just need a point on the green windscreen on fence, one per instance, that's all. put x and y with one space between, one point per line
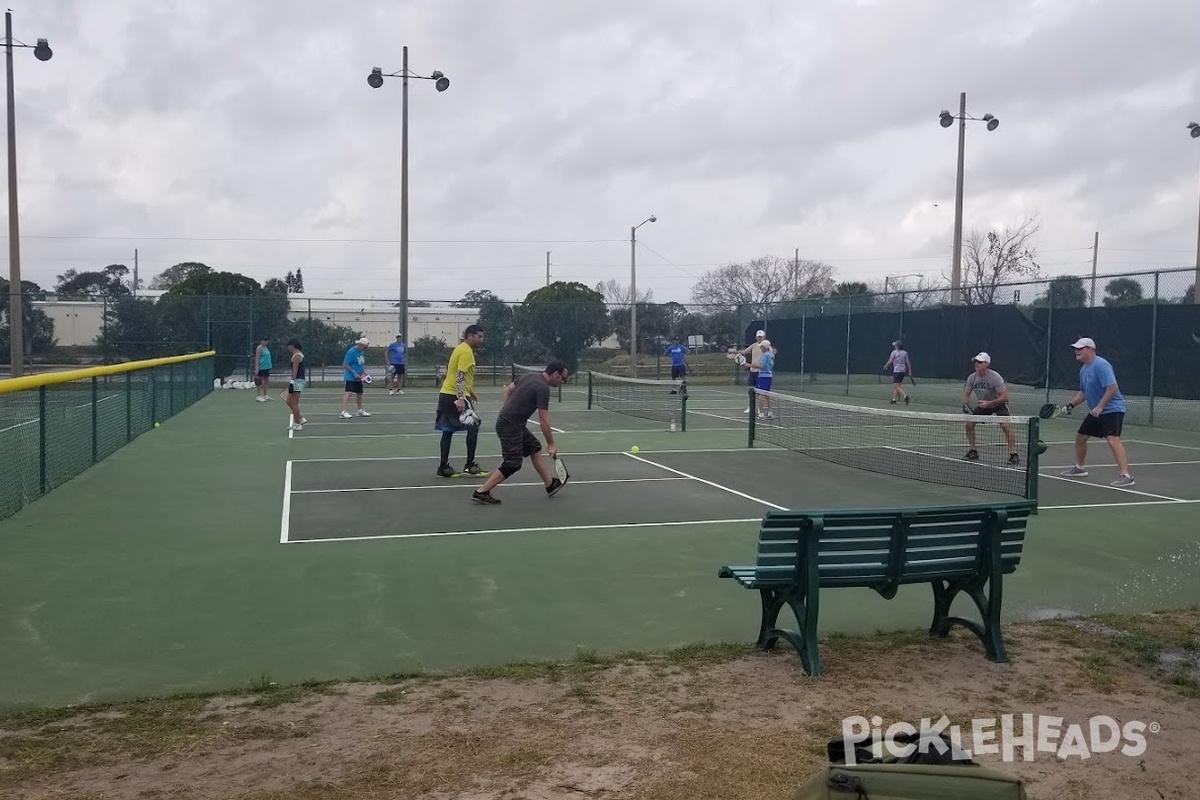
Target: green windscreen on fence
53 427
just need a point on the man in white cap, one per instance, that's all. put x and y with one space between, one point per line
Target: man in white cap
988 386
753 354
1106 411
354 369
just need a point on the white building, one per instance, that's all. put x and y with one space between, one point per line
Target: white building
78 322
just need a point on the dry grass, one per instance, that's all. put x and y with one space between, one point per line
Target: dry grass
700 722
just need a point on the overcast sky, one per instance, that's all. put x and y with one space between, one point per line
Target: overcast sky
243 133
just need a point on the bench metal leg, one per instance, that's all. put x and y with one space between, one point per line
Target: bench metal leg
804 640
988 605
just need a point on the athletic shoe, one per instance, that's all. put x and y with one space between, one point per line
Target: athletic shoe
473 469
346 415
484 498
1013 458
445 471
1123 480
362 412
972 455
905 399
1075 472
260 399
555 485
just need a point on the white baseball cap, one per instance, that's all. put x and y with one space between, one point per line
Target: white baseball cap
764 343
983 357
760 333
1084 342
363 340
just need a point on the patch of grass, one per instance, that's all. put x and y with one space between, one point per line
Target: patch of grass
388 697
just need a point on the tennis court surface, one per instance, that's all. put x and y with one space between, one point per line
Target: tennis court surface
222 548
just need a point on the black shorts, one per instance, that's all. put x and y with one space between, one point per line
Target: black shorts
292 388
446 418
516 440
356 387
678 371
1000 411
1102 426
752 378
264 373
898 377
397 369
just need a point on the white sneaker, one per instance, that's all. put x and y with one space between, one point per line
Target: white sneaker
345 415
294 426
260 399
399 391
362 412
303 420
297 427
391 392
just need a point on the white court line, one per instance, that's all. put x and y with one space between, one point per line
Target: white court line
556 430
554 529
717 416
286 519
1162 444
471 485
1120 505
438 433
756 449
707 483
1106 486
36 420
1132 464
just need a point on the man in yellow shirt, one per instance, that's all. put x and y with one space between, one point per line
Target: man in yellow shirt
456 388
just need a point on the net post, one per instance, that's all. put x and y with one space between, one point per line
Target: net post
42 438
95 419
1154 342
589 402
153 397
129 407
1031 459
683 398
1049 336
752 417
171 383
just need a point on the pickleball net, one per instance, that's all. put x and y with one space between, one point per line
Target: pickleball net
927 447
661 401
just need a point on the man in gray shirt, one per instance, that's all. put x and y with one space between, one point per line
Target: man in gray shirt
522 397
988 386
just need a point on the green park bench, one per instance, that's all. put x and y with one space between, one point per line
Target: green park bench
963 548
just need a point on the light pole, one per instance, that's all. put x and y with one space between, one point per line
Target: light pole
633 294
441 83
1195 128
947 119
42 52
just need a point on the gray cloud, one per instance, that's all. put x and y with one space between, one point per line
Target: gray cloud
747 130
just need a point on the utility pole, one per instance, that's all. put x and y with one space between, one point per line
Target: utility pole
547 267
135 272
1095 254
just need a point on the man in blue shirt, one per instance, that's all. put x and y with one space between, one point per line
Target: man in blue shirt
765 370
395 353
677 352
354 369
1106 411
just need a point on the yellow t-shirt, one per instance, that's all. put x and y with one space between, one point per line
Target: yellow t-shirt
461 360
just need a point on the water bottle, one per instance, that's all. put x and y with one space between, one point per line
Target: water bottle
672 428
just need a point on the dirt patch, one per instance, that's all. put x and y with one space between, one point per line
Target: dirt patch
702 722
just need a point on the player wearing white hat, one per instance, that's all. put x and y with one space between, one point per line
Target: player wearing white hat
988 386
354 370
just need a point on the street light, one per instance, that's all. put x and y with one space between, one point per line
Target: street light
633 294
1195 128
947 119
441 83
42 52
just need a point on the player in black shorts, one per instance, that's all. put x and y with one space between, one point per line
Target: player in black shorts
522 397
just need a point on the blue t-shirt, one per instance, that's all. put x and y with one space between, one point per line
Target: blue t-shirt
357 358
766 364
396 352
1094 379
677 352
